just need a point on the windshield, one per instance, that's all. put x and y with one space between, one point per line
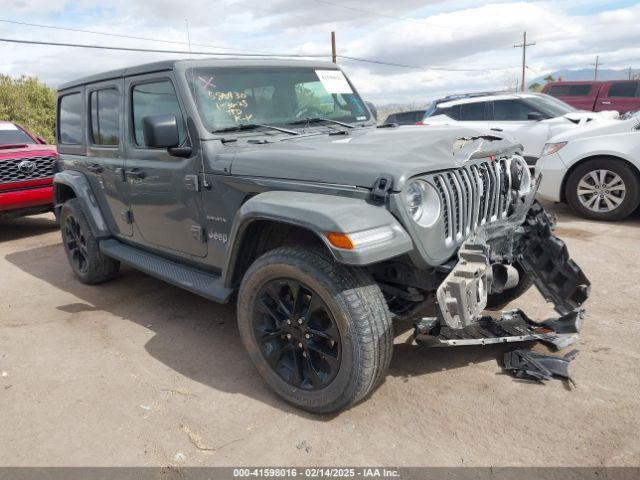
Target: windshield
550 106
10 134
229 97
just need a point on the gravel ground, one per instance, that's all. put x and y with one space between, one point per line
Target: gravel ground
139 373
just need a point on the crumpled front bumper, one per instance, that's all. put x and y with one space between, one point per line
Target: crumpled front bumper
526 238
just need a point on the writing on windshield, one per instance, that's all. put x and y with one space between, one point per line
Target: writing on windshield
227 97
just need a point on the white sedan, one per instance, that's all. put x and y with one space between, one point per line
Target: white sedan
595 169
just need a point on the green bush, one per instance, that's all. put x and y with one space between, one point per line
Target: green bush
30 103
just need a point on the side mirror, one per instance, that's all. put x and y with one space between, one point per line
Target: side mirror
41 140
160 131
372 108
536 116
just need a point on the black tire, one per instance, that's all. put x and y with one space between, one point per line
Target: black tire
81 247
625 172
497 301
358 310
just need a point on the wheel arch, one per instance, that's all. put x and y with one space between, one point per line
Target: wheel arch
572 168
72 184
278 218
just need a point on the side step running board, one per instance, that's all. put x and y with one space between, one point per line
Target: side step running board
201 283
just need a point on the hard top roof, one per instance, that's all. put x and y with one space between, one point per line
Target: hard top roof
186 63
486 97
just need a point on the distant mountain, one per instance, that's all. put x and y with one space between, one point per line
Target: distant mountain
587 74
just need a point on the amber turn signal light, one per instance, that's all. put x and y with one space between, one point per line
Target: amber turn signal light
340 240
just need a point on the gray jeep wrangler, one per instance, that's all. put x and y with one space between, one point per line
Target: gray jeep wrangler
268 183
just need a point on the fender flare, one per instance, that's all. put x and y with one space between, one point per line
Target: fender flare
79 183
321 214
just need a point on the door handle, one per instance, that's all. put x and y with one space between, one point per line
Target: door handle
606 103
497 130
135 174
95 168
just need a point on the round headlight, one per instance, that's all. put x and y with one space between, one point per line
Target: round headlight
520 176
413 198
423 202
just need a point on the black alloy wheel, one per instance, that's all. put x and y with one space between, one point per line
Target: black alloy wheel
297 334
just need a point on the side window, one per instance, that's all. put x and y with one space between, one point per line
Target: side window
471 112
623 89
513 110
105 118
559 90
579 90
158 98
70 119
451 112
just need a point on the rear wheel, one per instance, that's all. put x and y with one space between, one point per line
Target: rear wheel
81 246
319 333
603 189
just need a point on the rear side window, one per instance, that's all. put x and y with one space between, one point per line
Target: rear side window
70 119
158 98
472 111
624 89
105 118
451 112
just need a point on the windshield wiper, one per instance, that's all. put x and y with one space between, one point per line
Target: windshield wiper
307 121
254 126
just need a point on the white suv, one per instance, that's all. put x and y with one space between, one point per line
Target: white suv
528 118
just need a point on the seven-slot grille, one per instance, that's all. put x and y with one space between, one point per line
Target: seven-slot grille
472 196
11 170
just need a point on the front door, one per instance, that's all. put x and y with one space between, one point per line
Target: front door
164 197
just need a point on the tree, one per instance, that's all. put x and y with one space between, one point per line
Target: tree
549 78
30 103
535 87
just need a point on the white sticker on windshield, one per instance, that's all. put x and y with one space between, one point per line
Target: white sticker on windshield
8 126
334 81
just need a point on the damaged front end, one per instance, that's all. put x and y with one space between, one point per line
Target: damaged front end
484 266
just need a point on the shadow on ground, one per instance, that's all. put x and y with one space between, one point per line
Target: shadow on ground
199 338
18 228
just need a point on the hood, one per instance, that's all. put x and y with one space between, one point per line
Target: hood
363 155
26 150
584 116
597 129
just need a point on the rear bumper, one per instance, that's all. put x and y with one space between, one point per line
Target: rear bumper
26 198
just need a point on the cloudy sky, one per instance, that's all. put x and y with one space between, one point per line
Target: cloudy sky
443 46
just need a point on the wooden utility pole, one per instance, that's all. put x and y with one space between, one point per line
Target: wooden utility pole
524 57
334 56
597 64
629 73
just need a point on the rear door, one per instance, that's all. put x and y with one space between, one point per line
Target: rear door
623 96
104 161
164 196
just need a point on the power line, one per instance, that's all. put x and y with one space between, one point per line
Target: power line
157 50
424 67
380 14
132 37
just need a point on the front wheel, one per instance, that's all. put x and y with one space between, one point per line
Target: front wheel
319 333
603 189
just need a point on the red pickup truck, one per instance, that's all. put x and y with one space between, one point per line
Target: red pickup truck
26 171
620 95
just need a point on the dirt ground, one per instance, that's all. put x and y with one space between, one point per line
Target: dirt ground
139 373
